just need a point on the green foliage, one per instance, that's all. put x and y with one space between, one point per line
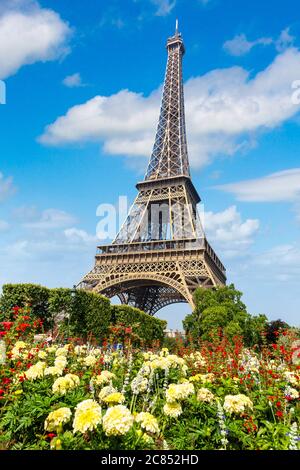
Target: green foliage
86 312
147 327
22 295
222 309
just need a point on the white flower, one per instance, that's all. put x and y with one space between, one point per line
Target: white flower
117 421
177 392
148 422
237 403
90 360
205 395
292 393
172 409
36 371
88 416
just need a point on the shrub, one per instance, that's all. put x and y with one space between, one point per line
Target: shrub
145 326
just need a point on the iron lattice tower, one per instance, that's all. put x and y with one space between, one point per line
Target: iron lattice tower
161 255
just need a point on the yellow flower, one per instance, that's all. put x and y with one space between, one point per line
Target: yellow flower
104 378
106 391
148 422
63 384
202 378
53 371
20 345
55 444
18 392
88 416
60 362
36 371
114 398
80 350
117 421
177 392
62 351
173 409
17 350
89 361
57 418
237 403
205 395
58 445
42 355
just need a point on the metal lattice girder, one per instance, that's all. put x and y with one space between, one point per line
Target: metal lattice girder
170 156
161 255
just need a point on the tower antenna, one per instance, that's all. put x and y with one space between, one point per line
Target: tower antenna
176 28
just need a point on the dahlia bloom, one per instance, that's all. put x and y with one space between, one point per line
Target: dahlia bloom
88 416
57 418
117 421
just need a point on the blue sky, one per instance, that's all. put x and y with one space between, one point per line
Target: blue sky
83 83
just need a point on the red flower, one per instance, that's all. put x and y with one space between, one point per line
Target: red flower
7 325
128 330
279 414
2 334
6 380
51 435
16 310
278 404
1 391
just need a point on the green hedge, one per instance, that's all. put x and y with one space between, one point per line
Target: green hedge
147 327
83 312
19 295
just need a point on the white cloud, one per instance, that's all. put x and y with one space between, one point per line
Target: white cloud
164 7
73 81
285 40
51 219
79 236
26 213
224 108
276 187
240 45
29 34
229 232
281 263
4 226
7 188
284 256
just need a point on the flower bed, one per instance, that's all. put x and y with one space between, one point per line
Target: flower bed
83 396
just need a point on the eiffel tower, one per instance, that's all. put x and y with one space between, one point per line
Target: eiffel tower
161 254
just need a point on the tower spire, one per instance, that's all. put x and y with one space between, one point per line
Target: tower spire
170 155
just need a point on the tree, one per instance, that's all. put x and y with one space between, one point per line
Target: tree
221 309
273 329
